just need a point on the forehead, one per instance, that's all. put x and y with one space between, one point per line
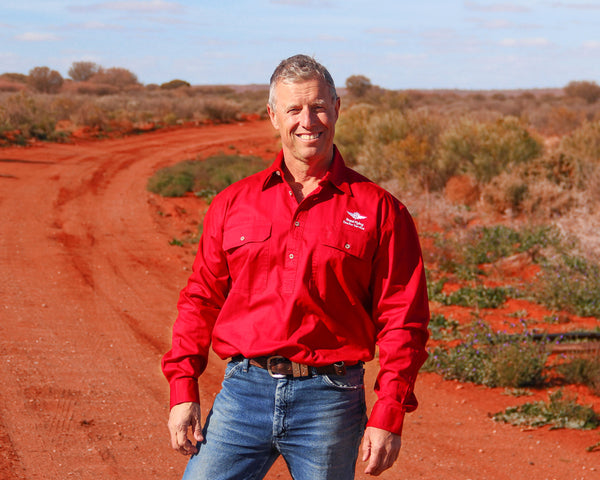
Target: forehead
310 90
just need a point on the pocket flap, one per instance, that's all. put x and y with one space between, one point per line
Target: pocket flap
354 243
237 236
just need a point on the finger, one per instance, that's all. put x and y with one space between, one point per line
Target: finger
376 461
366 449
198 432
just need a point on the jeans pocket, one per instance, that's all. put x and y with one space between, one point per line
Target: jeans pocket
353 380
232 368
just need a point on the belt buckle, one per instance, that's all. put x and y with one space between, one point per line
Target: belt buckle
269 360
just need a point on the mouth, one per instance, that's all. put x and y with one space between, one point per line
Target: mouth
308 136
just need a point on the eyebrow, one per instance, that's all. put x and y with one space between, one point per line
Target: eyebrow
317 103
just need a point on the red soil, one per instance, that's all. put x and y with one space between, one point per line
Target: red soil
88 290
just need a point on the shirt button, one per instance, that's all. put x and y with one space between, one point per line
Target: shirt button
242 238
291 255
278 173
297 223
347 246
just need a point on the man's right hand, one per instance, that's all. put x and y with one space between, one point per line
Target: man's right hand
183 416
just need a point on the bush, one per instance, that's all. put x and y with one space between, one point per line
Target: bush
478 296
31 117
560 412
486 149
174 84
464 253
584 143
570 282
83 71
491 358
45 80
120 78
204 177
588 91
582 370
391 144
358 85
221 110
442 328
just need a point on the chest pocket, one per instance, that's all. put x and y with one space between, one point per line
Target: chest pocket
247 249
343 263
353 243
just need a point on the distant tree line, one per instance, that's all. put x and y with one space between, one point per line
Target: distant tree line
87 77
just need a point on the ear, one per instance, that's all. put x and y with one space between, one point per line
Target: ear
338 103
273 117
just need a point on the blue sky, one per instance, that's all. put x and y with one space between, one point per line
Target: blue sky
396 43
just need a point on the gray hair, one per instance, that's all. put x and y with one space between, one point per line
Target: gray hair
296 69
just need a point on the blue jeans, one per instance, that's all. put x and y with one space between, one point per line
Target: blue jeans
316 423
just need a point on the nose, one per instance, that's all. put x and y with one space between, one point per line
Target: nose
307 117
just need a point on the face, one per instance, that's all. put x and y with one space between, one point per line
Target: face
305 116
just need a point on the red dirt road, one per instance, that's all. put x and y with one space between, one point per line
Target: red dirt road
88 287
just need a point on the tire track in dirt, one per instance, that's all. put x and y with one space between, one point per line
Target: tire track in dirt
89 290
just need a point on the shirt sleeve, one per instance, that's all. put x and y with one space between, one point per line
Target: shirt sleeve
401 316
198 307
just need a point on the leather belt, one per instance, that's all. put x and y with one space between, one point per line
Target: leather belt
280 367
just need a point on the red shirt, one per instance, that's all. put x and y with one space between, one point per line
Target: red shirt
318 282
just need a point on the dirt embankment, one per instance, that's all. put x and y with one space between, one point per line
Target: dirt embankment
88 289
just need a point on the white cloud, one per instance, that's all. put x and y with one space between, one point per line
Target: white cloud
153 6
496 7
592 45
303 3
525 42
36 37
577 6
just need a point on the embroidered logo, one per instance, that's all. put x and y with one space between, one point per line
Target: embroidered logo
354 220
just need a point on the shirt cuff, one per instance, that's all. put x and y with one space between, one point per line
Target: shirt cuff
387 417
184 390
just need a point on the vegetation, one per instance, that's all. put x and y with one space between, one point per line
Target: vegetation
204 177
559 412
582 370
491 358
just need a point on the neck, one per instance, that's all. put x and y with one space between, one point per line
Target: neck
303 178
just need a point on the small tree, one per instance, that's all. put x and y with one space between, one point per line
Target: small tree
115 76
45 80
589 91
83 71
358 85
174 84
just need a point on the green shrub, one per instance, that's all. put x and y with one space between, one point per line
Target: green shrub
391 144
570 282
491 358
31 116
560 412
464 253
442 328
582 370
484 150
203 176
584 143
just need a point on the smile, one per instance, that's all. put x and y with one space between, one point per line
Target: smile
309 136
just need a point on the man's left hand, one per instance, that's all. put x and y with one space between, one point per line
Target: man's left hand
380 448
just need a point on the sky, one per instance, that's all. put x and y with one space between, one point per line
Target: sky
397 44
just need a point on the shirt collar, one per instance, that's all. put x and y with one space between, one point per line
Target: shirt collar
336 175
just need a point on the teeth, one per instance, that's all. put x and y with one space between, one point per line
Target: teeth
311 136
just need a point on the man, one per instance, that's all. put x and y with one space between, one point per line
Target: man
301 271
